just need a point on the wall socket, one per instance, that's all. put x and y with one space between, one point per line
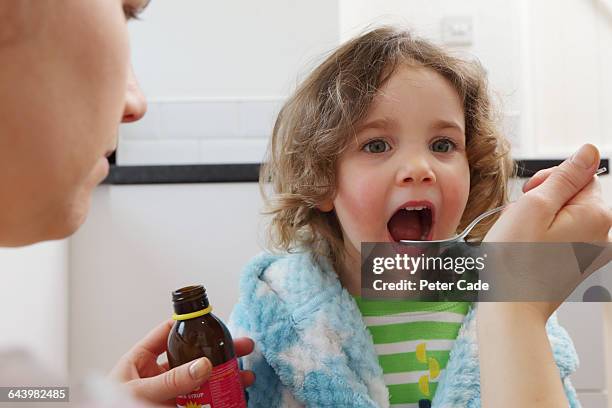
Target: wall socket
458 30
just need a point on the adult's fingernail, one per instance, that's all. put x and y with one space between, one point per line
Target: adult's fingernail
199 368
584 157
524 185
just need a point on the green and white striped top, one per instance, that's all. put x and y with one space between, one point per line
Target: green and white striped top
413 341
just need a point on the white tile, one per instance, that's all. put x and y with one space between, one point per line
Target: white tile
149 127
199 119
232 151
256 118
153 152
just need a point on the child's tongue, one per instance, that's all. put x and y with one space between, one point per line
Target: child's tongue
405 225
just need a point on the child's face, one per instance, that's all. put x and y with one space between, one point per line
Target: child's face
409 152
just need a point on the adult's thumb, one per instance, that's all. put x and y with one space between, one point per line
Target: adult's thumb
569 178
177 381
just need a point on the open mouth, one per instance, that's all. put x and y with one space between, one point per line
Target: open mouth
412 222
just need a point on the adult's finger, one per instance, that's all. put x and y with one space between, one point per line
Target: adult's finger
566 181
180 380
589 215
247 377
537 179
591 193
243 346
156 340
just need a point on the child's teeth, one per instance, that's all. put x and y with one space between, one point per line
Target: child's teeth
414 208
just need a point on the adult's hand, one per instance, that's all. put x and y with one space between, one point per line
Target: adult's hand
542 175
146 379
561 204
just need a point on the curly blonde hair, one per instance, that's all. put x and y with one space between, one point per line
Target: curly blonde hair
318 121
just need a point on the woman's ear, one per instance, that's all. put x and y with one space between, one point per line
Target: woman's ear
326 205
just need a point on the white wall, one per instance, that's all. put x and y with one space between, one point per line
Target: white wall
495 42
230 48
215 74
571 52
142 242
204 130
34 301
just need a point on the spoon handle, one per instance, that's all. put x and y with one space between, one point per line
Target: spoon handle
485 214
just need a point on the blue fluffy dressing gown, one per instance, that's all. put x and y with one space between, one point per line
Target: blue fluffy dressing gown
313 349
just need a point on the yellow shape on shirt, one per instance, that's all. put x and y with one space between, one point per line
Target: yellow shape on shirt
421 353
434 368
424 385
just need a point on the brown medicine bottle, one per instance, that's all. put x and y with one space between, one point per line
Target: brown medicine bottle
199 333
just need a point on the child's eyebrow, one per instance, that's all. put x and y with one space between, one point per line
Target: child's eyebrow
381 123
445 124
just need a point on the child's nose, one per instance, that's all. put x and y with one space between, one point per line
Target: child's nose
415 172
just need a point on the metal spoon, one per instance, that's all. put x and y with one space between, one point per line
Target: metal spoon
469 228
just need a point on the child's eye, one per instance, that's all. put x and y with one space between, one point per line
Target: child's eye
376 146
443 146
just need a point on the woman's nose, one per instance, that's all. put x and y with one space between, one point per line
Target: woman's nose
415 171
135 102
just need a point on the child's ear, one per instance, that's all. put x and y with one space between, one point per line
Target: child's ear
326 205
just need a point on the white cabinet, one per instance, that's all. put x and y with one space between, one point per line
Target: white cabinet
584 322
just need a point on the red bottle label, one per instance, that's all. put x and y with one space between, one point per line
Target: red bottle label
222 390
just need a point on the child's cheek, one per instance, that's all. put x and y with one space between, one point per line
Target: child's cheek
359 203
360 200
454 197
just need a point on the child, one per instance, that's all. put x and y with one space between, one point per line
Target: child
389 138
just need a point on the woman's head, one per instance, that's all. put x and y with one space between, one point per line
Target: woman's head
65 85
407 88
